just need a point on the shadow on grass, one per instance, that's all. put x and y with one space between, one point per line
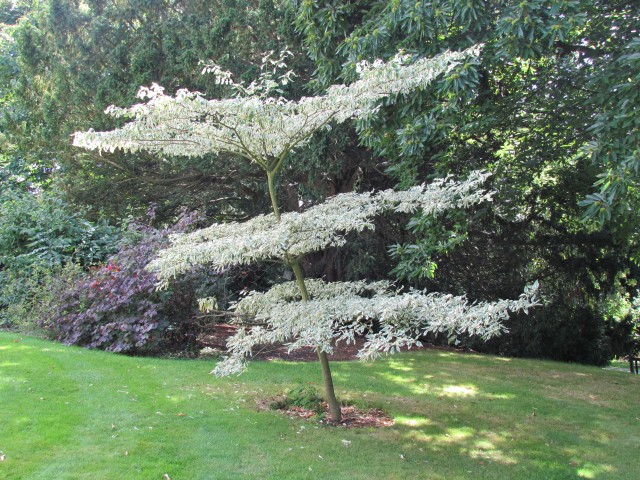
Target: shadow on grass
542 418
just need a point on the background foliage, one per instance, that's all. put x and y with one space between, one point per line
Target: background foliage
40 235
537 111
68 61
551 108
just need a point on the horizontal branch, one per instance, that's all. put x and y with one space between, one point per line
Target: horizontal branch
260 128
340 311
319 227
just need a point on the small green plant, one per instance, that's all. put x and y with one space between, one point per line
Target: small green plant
303 396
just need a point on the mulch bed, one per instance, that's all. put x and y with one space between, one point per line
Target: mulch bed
352 417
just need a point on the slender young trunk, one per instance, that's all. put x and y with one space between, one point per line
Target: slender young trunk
272 194
329 391
330 394
332 401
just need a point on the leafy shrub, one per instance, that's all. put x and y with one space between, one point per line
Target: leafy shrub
622 315
30 299
116 307
39 235
43 229
560 331
303 396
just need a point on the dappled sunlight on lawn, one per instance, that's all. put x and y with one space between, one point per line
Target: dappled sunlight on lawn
458 416
520 417
480 446
462 356
56 350
425 373
437 384
13 343
23 343
487 449
459 390
594 471
501 396
399 365
519 446
456 434
16 345
413 421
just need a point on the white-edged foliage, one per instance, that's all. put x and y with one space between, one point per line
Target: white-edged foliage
340 311
265 130
258 128
319 227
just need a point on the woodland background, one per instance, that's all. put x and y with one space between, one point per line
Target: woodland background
551 109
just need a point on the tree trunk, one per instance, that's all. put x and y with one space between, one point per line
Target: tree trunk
294 263
332 401
329 391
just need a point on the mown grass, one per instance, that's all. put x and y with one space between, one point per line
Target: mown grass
69 413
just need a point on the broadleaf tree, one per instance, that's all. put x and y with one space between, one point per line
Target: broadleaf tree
551 108
267 130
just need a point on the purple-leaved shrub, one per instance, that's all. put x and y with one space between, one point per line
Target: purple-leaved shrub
117 307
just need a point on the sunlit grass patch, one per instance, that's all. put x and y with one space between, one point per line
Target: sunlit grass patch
460 390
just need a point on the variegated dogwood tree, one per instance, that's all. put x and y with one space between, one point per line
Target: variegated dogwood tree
266 129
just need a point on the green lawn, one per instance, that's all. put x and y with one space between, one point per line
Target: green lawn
69 413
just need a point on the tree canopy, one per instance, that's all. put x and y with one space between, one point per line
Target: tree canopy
550 107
